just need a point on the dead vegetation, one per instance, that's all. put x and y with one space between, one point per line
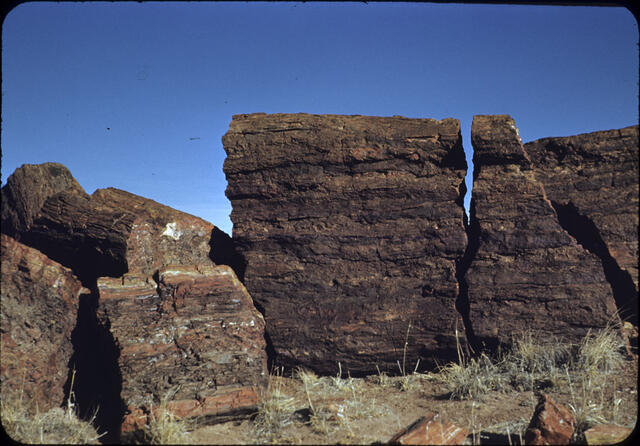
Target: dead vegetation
492 396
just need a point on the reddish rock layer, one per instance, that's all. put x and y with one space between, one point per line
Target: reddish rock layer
196 340
592 179
38 314
350 227
108 233
527 272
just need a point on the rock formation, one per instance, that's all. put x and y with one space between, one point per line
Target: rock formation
38 314
526 272
350 227
592 182
106 234
195 339
161 321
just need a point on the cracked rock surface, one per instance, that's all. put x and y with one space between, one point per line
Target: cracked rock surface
194 338
592 178
528 272
350 227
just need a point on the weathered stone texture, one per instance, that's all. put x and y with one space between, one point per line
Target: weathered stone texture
108 233
552 423
527 272
39 308
592 178
26 191
350 227
195 339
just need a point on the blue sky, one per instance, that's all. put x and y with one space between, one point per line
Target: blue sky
138 95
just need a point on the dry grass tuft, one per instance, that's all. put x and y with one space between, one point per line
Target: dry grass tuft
471 379
26 424
275 412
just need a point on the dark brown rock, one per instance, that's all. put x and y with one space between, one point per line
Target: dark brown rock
194 339
26 191
552 423
110 232
430 429
592 181
38 314
526 271
350 227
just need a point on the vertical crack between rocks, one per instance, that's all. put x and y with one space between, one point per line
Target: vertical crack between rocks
585 232
97 383
462 304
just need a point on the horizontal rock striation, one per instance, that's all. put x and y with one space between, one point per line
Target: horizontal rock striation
526 271
108 233
592 181
350 228
38 313
194 340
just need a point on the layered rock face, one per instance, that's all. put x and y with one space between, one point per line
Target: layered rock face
194 339
38 314
592 181
350 228
108 233
526 272
162 321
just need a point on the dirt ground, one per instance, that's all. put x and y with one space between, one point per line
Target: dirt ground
371 410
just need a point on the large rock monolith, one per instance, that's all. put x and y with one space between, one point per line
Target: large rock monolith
526 272
592 181
350 228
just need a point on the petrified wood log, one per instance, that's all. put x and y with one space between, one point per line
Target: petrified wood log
350 228
526 271
194 339
38 314
592 181
108 233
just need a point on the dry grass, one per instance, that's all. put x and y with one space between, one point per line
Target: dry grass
166 428
275 412
24 423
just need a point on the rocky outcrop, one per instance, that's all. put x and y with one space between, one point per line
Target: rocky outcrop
38 314
193 340
350 228
108 233
592 181
26 191
526 272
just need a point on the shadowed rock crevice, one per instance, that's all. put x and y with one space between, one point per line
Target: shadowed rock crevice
585 232
462 266
97 383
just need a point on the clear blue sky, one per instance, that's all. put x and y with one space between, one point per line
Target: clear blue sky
138 95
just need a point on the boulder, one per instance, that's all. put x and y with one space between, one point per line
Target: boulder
525 271
108 233
38 314
592 181
552 423
430 429
193 340
350 228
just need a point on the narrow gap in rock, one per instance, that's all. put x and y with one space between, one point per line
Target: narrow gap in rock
97 382
462 266
585 232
